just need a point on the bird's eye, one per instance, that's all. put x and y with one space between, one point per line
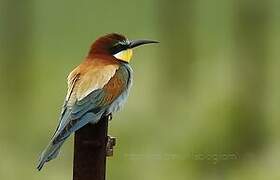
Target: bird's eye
119 46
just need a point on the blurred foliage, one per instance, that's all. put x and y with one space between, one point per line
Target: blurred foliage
205 101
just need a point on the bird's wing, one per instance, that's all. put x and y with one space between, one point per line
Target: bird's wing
89 95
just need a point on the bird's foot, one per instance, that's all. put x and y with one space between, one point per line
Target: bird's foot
111 142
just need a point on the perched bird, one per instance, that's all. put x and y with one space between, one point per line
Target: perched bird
98 87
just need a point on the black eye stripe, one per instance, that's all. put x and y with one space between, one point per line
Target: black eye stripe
119 47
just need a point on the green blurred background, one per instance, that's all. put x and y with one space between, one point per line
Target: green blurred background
205 101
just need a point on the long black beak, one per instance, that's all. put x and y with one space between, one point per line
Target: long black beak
135 43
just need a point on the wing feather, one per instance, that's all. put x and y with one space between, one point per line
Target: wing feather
95 79
84 106
91 92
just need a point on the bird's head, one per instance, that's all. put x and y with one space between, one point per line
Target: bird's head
117 46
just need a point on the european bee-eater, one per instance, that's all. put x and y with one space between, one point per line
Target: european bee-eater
98 87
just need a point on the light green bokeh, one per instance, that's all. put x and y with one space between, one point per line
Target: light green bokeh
205 101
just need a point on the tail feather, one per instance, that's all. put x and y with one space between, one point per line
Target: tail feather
63 131
52 150
49 153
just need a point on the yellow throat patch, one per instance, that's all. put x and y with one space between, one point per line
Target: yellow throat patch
124 55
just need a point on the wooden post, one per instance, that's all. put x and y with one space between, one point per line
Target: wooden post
90 151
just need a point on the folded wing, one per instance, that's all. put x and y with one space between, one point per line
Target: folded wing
90 93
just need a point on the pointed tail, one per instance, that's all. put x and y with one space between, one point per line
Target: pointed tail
49 153
63 131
